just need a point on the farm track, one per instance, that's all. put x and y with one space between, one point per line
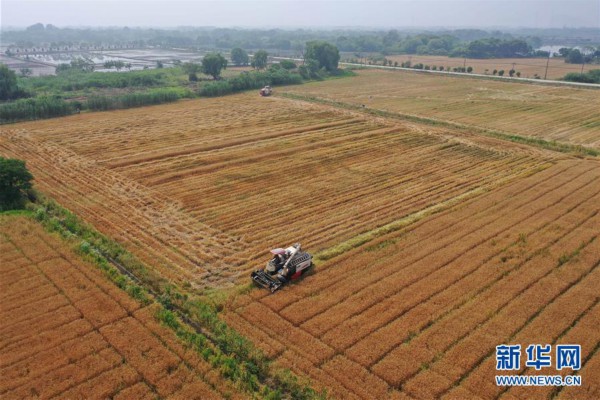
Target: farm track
86 336
500 260
553 113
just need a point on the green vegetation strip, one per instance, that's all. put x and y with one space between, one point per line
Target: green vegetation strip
72 92
193 318
537 142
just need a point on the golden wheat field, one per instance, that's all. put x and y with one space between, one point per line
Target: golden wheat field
565 114
69 333
417 313
433 243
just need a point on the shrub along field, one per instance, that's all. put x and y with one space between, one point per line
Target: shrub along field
202 189
563 114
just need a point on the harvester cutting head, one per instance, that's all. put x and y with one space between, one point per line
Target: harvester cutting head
286 265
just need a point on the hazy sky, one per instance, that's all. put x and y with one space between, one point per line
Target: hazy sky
293 13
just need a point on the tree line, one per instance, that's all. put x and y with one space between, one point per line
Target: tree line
577 56
473 43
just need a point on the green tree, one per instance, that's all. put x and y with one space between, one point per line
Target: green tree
117 64
79 64
288 64
191 69
259 60
212 64
62 67
574 57
501 72
410 45
25 72
15 180
82 64
325 54
239 56
9 89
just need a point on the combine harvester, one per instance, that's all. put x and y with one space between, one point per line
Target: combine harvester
286 265
266 91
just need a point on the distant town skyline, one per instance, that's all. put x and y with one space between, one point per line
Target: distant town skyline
292 13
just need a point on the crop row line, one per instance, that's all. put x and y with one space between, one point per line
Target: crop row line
464 253
555 340
508 302
537 313
556 392
470 299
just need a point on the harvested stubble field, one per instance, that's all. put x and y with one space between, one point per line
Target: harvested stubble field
69 333
529 67
417 313
200 189
565 114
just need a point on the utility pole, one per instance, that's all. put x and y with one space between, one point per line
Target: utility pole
465 65
547 62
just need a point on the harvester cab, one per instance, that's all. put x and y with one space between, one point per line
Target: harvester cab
285 265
